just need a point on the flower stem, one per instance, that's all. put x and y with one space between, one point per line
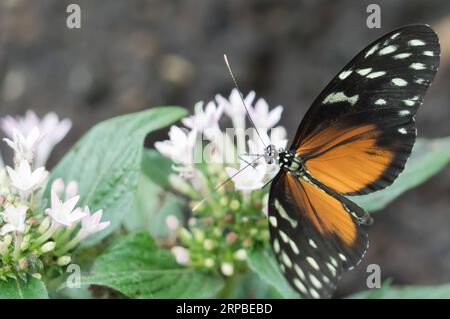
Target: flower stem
17 244
229 288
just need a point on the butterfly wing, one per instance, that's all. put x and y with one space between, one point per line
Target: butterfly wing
359 132
315 233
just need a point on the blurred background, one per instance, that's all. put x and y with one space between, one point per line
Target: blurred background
132 55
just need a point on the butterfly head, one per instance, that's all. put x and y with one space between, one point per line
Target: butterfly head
271 154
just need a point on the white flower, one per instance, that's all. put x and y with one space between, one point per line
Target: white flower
24 180
25 147
206 121
262 117
249 179
14 218
180 147
90 223
53 130
64 213
181 255
234 108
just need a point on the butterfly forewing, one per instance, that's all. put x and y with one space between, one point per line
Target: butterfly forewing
393 73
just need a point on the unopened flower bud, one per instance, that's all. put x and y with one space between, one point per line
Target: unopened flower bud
234 205
240 254
23 263
185 234
3 249
48 246
227 269
209 263
58 186
179 184
209 244
64 260
72 189
181 255
172 222
24 245
45 224
224 201
7 240
37 275
199 235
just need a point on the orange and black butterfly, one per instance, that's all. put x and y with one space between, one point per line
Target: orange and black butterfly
355 139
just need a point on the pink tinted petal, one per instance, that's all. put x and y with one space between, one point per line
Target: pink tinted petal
69 205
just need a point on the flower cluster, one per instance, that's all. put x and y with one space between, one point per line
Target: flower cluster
221 229
35 239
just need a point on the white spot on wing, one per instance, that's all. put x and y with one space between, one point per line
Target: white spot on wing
417 66
284 214
300 286
399 82
345 74
387 50
374 75
312 262
402 56
273 221
316 283
336 97
294 247
428 53
402 130
286 260
395 35
312 243
299 272
380 102
314 293
364 72
276 246
372 50
416 43
409 102
404 112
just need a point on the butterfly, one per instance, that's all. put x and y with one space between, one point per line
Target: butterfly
355 139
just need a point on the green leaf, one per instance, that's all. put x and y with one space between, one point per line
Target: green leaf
152 206
406 292
428 157
15 289
263 262
106 163
157 167
138 268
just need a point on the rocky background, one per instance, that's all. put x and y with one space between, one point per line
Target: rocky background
132 55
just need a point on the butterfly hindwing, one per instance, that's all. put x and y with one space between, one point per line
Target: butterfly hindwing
315 234
373 99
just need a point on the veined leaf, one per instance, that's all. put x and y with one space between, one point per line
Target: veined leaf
17 289
138 268
106 163
263 262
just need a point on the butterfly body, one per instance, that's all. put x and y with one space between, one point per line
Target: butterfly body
355 139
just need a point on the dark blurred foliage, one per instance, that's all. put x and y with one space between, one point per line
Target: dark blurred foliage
132 55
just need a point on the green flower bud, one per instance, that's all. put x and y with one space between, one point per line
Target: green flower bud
3 249
209 244
64 260
7 240
45 224
235 205
24 245
48 247
179 184
199 234
37 275
209 263
224 201
185 234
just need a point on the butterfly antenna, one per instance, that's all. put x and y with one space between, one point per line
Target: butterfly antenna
242 98
224 182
